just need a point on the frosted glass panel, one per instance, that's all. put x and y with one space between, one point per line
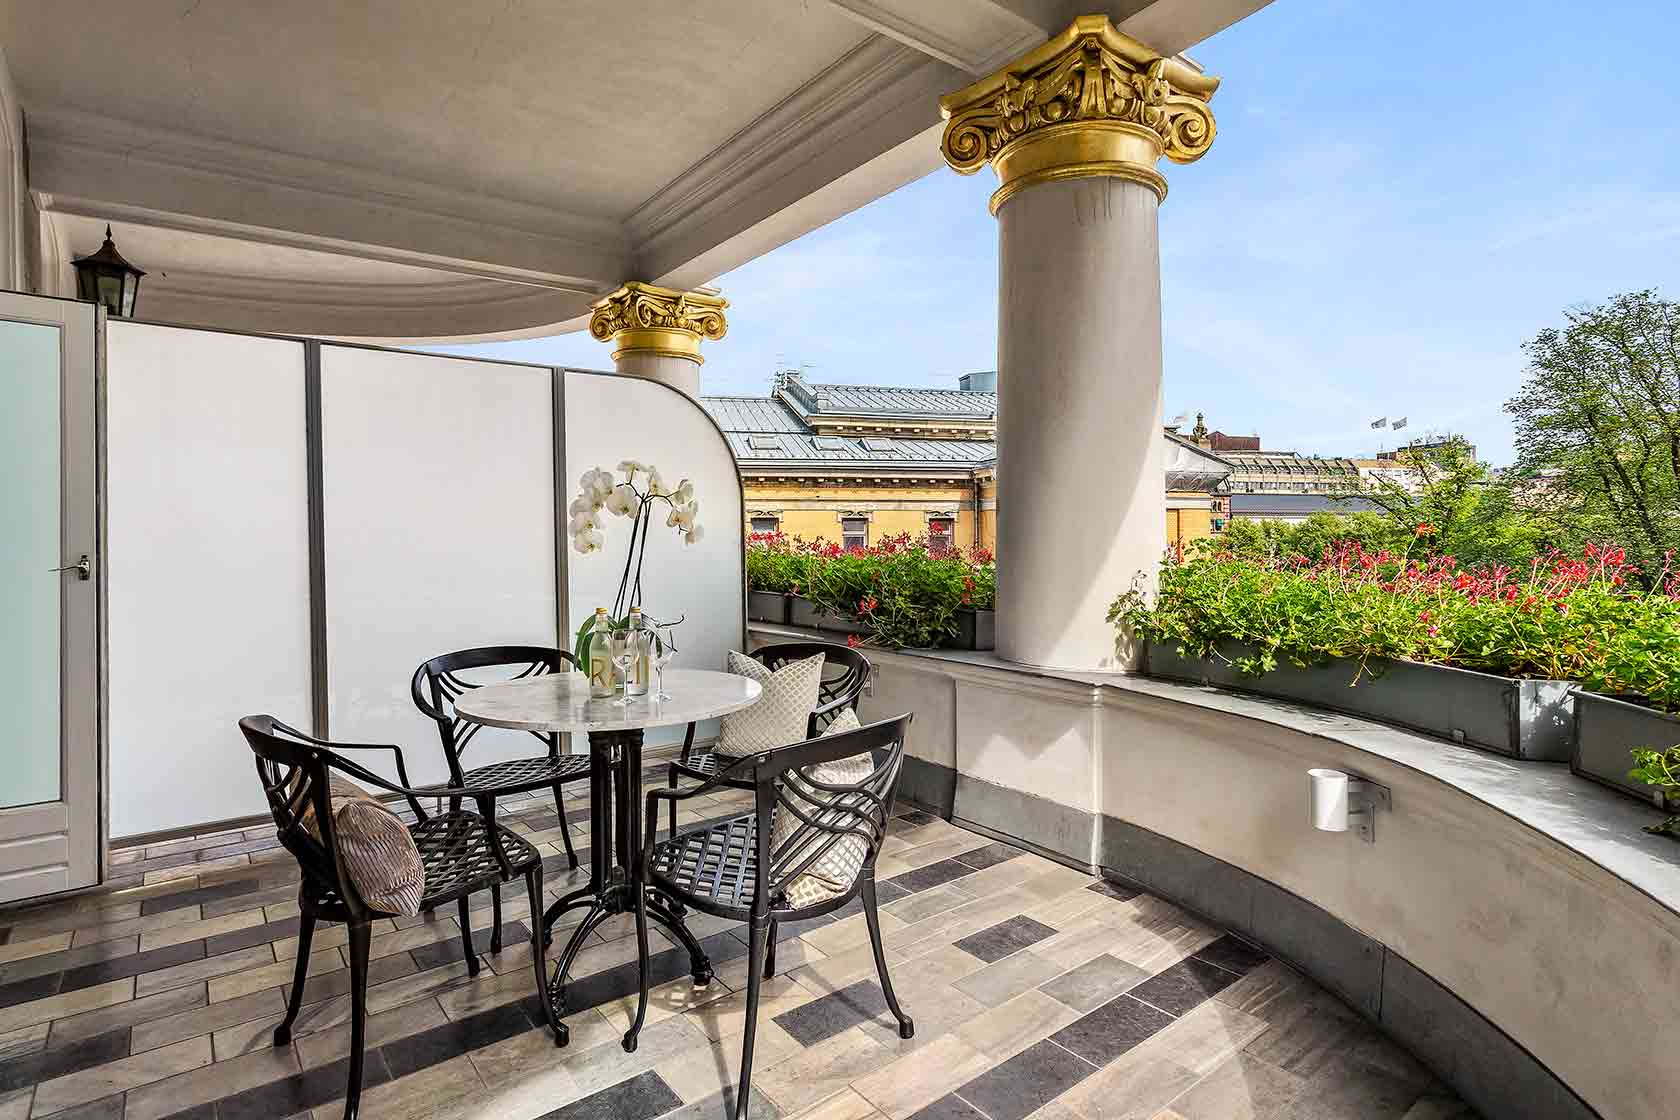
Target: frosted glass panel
611 418
208 567
439 517
30 591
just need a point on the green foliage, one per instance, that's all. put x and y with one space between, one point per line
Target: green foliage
1564 619
1598 426
1463 513
1275 540
1660 769
774 564
907 593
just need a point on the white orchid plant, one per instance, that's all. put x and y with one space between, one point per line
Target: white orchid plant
638 496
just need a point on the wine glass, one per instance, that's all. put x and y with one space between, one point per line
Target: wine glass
622 648
663 651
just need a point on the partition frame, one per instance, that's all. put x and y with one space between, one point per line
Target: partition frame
320 654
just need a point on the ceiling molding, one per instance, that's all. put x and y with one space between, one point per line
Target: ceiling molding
874 98
977 36
454 310
110 167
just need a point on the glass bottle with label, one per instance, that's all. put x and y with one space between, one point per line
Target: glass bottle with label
640 672
603 685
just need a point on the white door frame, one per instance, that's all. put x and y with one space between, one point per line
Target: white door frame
60 845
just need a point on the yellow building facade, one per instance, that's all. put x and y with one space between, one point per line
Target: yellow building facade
857 464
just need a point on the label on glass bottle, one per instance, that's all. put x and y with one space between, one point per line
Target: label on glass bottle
602 682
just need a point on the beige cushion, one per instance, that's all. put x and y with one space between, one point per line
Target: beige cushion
375 847
783 712
836 869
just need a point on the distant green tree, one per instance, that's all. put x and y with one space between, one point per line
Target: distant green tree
1450 506
1598 426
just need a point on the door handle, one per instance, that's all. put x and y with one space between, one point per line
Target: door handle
83 568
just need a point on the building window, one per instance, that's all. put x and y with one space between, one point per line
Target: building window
940 533
854 532
766 524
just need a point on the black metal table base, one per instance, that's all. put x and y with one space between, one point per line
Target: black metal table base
615 829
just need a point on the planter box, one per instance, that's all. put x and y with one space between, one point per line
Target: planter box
804 613
1606 729
768 606
1524 719
976 630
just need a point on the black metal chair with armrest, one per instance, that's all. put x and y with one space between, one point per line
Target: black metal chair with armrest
436 685
845 672
460 852
732 869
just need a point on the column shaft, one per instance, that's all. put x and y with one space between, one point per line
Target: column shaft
679 373
1081 490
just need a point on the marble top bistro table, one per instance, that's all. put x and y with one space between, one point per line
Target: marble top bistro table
560 702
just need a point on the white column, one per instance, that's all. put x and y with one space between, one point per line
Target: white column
656 332
679 373
1081 482
1074 130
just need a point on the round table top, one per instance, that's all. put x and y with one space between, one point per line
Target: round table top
560 702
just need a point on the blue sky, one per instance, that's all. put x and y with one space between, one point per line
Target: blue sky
1399 196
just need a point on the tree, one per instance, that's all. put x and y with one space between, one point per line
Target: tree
1452 507
1598 425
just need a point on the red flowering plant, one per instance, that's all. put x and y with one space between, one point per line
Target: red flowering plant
905 589
1591 618
777 563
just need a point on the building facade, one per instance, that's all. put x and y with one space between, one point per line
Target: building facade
856 464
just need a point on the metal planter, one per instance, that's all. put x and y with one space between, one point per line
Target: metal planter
769 606
976 630
1526 719
804 613
1607 729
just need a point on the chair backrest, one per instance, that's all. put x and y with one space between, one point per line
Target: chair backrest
293 770
827 812
845 672
437 683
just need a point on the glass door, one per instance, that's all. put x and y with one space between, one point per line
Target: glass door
50 798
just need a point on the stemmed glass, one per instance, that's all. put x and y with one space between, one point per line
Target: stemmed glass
622 647
663 651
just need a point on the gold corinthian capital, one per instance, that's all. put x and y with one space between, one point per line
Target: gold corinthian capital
1090 102
642 318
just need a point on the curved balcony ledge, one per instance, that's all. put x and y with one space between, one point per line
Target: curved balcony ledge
1512 924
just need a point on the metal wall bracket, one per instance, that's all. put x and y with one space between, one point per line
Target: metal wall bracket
1364 799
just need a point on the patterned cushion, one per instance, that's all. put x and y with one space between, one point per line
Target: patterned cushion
783 712
378 853
836 869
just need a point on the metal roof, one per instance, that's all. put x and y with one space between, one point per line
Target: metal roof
752 414
743 418
811 399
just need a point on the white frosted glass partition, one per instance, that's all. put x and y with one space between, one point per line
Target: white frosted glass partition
438 485
610 418
207 569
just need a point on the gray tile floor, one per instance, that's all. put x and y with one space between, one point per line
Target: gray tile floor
1037 992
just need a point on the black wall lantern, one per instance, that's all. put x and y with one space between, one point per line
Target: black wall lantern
105 276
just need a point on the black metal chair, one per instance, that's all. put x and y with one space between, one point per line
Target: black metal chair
435 687
845 672
730 869
461 852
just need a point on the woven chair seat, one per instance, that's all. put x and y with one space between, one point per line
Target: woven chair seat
708 763
718 864
456 854
518 775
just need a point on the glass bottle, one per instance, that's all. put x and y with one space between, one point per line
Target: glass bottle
641 638
603 685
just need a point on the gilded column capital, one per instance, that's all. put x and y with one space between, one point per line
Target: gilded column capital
1090 102
643 318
